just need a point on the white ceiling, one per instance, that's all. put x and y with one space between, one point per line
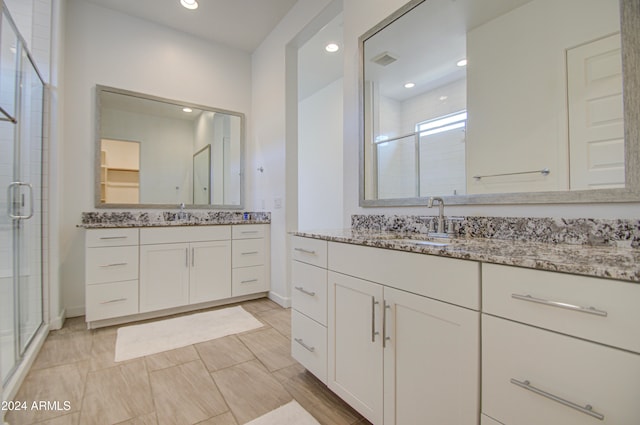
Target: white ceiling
242 24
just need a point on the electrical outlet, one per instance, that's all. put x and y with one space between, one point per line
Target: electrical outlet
277 203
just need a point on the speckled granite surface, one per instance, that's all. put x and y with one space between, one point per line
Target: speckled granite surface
98 219
598 248
581 231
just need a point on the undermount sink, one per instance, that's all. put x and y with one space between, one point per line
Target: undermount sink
429 241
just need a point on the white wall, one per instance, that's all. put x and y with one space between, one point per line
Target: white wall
360 16
320 159
274 81
112 49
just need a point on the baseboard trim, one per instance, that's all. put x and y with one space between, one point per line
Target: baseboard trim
74 311
58 322
279 299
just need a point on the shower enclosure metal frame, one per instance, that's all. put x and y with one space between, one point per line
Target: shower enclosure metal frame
21 132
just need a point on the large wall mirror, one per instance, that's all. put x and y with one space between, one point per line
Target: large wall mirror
517 101
158 153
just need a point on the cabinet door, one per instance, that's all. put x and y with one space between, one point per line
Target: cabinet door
431 361
210 274
354 343
164 276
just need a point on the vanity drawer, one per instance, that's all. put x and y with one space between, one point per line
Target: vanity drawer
309 344
111 237
247 252
544 299
179 234
111 264
578 371
248 280
108 300
308 250
445 279
248 231
309 291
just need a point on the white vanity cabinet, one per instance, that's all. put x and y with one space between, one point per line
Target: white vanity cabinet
397 353
184 265
309 305
111 273
559 349
250 259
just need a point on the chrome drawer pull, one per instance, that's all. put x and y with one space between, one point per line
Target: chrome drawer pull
249 253
304 291
117 300
112 237
301 342
306 251
114 265
587 410
589 310
249 281
244 232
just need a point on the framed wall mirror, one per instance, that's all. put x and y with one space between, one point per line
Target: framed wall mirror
159 153
519 101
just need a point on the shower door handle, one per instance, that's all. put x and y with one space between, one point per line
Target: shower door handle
10 200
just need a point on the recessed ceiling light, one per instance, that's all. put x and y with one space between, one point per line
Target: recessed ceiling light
189 4
332 48
443 98
409 85
187 110
461 63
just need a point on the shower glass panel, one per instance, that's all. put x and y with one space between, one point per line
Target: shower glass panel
21 123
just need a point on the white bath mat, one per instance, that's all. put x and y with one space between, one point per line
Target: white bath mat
289 414
150 338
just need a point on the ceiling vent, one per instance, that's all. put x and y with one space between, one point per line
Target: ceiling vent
383 59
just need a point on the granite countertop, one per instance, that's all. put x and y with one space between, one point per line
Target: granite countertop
107 220
599 261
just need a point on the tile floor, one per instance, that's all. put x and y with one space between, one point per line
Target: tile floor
226 381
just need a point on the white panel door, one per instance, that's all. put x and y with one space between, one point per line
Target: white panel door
164 276
431 361
354 344
596 128
210 272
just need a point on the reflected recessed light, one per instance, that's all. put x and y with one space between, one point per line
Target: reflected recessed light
332 48
189 4
461 63
409 85
443 98
187 110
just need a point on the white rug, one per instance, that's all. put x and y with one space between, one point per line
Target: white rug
289 414
155 337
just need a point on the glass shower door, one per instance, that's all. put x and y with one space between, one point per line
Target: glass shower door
21 103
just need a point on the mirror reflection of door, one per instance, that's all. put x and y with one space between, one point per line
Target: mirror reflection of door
201 173
120 171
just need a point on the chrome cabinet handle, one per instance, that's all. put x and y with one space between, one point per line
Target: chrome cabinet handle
193 257
244 232
385 338
249 253
373 319
587 410
186 257
588 310
113 237
249 281
301 342
117 300
304 291
306 251
10 204
114 265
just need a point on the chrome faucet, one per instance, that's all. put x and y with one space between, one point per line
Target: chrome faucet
440 212
181 214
